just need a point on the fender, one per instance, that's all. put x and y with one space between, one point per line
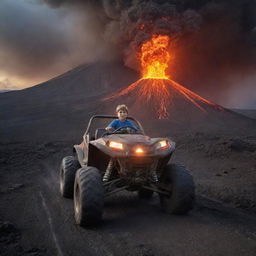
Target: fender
80 154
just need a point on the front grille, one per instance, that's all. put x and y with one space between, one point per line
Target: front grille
137 166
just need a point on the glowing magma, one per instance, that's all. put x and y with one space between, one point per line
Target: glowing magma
154 57
155 86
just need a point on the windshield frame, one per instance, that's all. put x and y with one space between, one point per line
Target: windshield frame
88 130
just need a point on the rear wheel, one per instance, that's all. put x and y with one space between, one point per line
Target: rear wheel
88 196
69 166
179 182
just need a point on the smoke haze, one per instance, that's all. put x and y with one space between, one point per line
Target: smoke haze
213 42
38 42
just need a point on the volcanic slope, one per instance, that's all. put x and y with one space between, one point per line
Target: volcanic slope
56 109
61 107
177 109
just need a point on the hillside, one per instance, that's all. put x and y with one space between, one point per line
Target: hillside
61 107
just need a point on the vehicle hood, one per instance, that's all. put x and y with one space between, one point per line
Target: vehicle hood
130 141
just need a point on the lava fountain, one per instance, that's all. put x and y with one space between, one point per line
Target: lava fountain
155 86
154 57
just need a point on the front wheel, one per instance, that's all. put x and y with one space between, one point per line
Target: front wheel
68 168
179 182
88 196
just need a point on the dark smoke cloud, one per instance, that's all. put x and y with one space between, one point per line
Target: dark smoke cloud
213 42
126 18
27 41
219 61
38 42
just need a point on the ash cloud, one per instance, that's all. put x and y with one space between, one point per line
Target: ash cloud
28 43
38 42
221 57
213 42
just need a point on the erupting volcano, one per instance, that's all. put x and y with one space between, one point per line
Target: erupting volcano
155 86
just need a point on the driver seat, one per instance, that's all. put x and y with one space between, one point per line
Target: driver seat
99 132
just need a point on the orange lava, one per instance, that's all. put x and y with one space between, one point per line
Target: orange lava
160 92
155 86
154 57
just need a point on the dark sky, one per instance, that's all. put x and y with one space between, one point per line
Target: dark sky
214 49
38 42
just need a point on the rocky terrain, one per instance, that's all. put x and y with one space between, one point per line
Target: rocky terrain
39 125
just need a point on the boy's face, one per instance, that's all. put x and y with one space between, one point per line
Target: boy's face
122 115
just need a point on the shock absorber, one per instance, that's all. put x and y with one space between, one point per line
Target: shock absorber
154 176
108 171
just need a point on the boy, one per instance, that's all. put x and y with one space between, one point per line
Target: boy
122 113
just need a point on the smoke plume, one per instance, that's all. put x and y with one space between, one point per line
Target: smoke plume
212 42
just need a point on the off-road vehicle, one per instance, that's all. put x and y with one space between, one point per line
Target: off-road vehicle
125 159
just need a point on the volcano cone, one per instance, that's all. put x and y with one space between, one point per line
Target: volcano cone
164 97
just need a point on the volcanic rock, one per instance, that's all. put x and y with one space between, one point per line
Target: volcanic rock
240 145
8 232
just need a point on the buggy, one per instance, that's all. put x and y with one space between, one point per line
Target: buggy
125 159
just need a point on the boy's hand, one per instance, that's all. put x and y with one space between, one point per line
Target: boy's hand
111 129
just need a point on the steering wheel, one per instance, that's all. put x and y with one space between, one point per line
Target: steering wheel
125 129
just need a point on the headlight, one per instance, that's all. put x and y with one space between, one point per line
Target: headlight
115 145
162 144
139 150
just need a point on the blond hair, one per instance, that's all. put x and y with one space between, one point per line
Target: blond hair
121 107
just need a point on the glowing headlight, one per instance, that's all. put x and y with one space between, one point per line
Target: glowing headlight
139 150
162 144
116 145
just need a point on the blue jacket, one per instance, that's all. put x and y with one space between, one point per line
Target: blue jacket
117 124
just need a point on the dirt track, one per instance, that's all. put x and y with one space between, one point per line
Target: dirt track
35 220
